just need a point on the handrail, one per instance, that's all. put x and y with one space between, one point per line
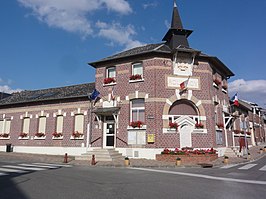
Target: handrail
122 140
96 139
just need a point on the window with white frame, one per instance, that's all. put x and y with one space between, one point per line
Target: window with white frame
42 124
137 112
137 69
59 123
79 123
110 72
26 125
4 128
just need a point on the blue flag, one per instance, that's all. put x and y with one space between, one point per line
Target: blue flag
94 94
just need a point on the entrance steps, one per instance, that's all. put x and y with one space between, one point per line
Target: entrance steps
101 155
232 152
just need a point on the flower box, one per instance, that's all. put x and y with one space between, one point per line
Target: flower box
4 135
77 135
199 125
135 77
173 125
217 82
188 159
109 80
57 135
39 135
220 125
136 124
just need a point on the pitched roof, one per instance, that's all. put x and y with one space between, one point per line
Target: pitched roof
148 48
67 92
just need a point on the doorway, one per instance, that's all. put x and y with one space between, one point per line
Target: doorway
109 130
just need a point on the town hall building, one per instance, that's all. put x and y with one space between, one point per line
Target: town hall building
156 96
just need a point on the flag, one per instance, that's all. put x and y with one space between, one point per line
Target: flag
183 85
94 94
235 100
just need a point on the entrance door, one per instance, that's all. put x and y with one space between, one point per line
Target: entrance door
185 136
109 134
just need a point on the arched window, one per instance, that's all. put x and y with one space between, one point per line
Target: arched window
183 107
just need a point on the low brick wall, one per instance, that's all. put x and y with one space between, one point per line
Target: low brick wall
187 159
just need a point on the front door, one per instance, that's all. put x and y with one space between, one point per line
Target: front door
185 136
109 134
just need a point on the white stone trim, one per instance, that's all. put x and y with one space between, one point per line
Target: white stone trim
169 102
177 93
198 103
189 96
165 117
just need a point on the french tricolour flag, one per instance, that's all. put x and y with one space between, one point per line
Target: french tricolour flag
235 100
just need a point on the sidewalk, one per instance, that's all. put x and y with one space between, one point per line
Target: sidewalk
25 157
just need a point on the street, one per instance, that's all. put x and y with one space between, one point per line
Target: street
42 181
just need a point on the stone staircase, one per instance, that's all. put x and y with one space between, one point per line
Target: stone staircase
232 152
101 155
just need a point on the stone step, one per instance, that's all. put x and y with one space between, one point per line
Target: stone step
101 155
229 152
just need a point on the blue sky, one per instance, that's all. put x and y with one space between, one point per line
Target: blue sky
48 43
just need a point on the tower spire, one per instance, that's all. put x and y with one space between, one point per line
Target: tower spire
176 35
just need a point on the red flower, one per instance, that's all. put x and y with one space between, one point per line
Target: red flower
199 125
39 134
109 80
4 135
76 134
57 135
136 124
217 81
220 125
173 125
135 77
22 135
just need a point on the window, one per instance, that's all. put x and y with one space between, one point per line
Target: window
137 110
137 69
110 72
219 137
26 125
79 122
59 124
4 128
42 124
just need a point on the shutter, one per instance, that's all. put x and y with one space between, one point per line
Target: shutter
1 126
7 126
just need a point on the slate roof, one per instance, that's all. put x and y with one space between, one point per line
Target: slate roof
160 47
67 92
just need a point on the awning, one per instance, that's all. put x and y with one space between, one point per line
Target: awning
106 111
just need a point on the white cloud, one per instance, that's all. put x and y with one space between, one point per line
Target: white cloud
150 5
115 32
72 15
250 90
7 89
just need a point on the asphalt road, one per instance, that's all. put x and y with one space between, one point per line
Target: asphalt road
80 182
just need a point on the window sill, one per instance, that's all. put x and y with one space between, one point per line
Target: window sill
215 85
224 91
136 80
57 138
111 84
77 138
39 138
137 128
6 138
200 131
23 138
